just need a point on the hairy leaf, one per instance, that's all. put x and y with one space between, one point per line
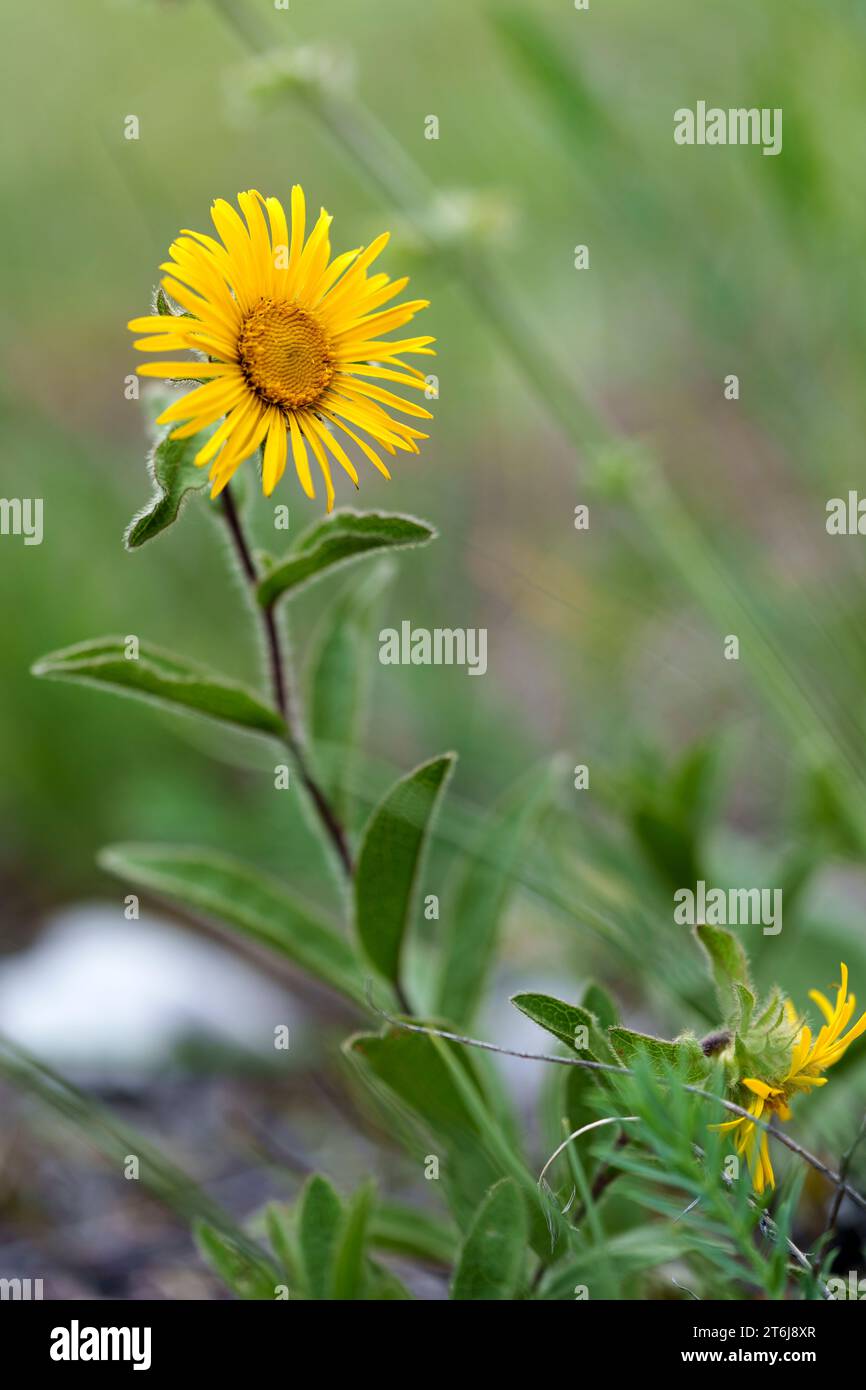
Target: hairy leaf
727 960
343 536
684 1055
350 1255
390 860
158 676
243 897
320 1218
492 1259
568 1022
174 476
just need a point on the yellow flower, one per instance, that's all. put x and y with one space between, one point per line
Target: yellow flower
289 343
809 1057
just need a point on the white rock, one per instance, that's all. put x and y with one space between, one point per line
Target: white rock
98 992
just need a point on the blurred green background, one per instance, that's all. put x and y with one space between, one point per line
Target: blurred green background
555 130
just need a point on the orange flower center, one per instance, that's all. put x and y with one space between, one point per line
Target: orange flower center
285 355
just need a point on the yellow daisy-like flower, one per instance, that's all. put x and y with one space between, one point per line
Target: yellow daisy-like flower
289 343
809 1057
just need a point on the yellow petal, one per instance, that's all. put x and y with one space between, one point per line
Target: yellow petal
760 1088
299 454
362 445
187 371
336 449
823 1004
275 452
310 436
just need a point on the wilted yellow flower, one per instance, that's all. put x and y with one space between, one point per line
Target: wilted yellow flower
809 1057
290 345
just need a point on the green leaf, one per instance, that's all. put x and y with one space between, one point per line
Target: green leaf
320 1219
390 859
493 1255
411 1067
247 1278
561 1019
629 1252
745 1007
773 1011
343 536
406 1230
350 1256
410 1064
162 306
667 844
482 894
157 676
174 476
727 960
599 1003
339 680
243 897
684 1055
279 1226
694 783
383 1286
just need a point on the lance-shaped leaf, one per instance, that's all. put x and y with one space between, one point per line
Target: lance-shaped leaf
350 1264
684 1055
339 680
482 894
728 962
413 1070
492 1259
155 675
174 476
744 1007
229 891
569 1022
405 1230
342 537
280 1226
320 1218
389 863
642 1247
248 1278
597 1000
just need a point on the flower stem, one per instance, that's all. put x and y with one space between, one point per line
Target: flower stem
281 688
584 421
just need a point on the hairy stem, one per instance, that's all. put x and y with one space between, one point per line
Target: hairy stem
281 688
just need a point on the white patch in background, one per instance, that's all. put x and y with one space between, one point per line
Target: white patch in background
99 992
